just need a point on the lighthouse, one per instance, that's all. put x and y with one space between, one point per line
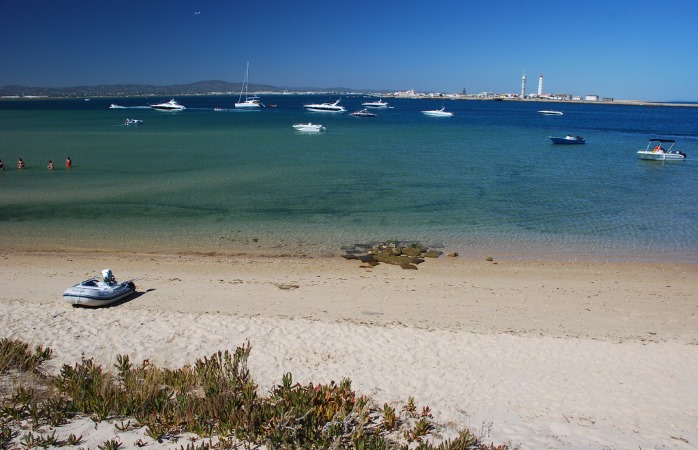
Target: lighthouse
540 85
523 85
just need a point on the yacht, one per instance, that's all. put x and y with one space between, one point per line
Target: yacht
172 105
250 101
309 127
325 107
377 104
438 113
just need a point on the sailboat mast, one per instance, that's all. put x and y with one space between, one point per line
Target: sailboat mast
243 88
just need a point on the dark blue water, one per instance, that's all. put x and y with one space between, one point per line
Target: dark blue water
485 180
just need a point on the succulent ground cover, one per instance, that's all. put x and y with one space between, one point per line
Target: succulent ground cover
214 397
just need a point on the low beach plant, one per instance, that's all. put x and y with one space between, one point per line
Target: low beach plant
215 397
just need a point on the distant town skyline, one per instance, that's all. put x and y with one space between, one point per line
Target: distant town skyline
623 49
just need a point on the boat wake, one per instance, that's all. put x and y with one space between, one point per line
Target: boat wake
113 106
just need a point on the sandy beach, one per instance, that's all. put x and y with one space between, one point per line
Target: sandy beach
536 354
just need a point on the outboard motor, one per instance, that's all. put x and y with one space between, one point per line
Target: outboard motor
107 276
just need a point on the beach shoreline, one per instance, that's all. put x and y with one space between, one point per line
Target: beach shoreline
546 354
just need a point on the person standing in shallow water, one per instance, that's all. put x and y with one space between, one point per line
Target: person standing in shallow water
2 165
51 166
20 163
68 162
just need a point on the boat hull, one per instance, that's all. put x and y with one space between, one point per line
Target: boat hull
94 294
166 108
660 156
321 109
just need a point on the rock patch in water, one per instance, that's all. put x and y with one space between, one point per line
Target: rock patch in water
404 254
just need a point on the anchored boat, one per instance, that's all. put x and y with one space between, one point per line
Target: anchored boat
568 140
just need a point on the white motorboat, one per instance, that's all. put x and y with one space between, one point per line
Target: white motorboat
250 102
99 292
133 122
438 113
115 106
172 105
377 104
655 151
550 112
309 127
325 107
364 113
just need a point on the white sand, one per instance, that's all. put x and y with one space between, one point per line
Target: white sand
536 354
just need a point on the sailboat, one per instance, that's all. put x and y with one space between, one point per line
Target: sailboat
250 101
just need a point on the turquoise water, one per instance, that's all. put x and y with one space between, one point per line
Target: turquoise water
484 181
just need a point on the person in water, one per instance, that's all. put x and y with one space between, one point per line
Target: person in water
51 166
2 165
68 162
20 163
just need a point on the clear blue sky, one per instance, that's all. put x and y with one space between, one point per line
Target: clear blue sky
627 49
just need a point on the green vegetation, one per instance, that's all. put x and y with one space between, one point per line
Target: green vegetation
214 397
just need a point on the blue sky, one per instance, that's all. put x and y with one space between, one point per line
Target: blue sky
638 49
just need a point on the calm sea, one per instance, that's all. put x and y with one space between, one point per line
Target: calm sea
486 181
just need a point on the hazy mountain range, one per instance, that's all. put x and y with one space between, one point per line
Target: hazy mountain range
198 88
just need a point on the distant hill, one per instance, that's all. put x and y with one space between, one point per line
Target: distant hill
120 90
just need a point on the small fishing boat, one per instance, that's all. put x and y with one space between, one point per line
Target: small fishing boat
438 113
550 112
569 140
364 113
133 122
309 127
99 292
655 151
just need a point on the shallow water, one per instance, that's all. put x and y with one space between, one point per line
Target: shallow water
484 181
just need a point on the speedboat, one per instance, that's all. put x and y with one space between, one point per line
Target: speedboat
550 112
172 105
115 106
99 292
364 113
569 140
438 113
655 151
377 104
309 127
325 107
133 122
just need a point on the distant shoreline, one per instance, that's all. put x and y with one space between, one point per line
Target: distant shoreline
459 97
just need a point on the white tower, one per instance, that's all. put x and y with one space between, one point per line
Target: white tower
523 85
540 85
